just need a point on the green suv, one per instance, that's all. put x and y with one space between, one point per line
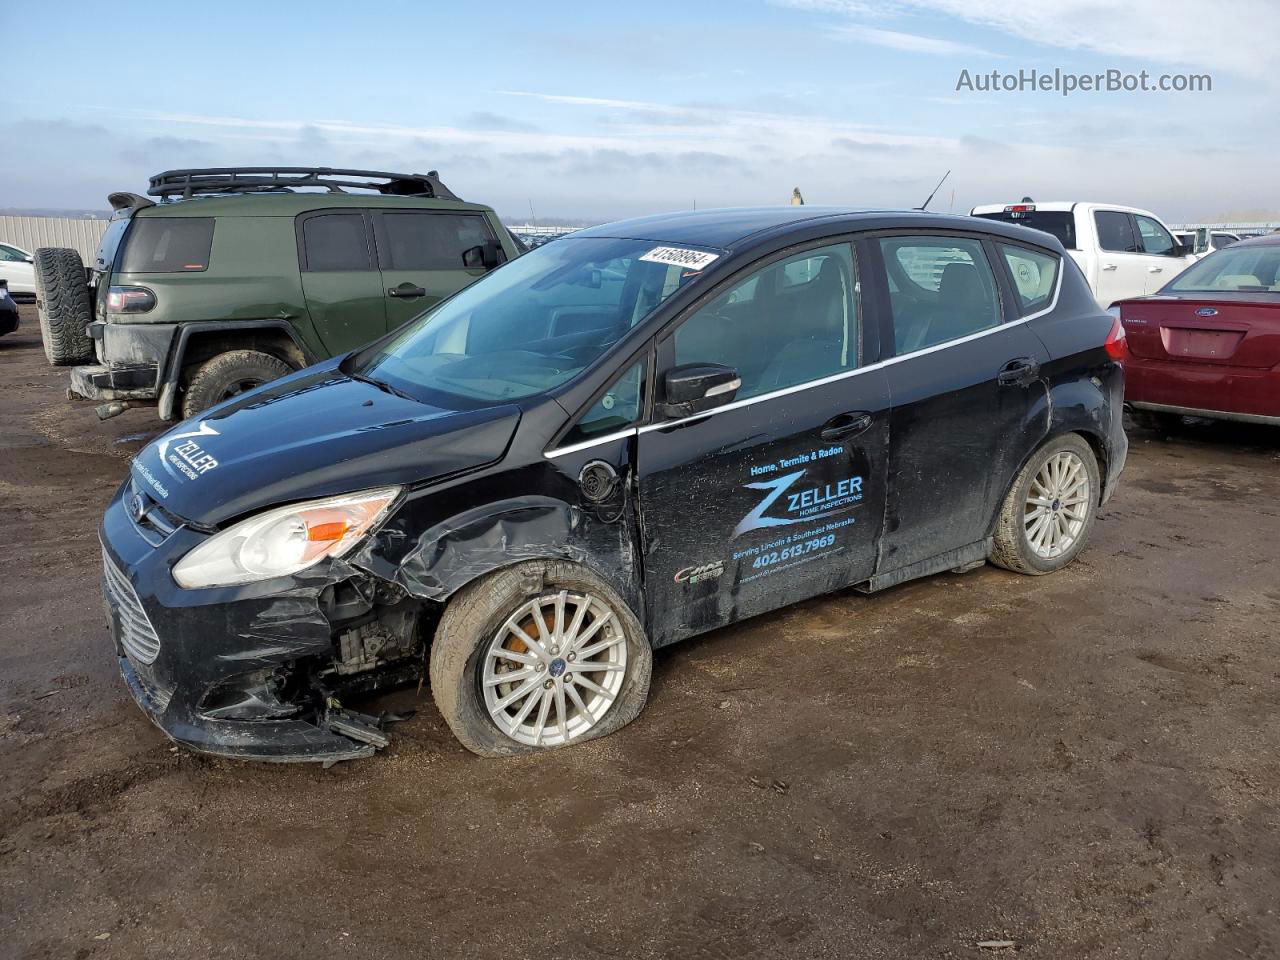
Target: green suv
237 276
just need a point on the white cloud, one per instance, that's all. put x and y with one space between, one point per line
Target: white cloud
909 42
1235 36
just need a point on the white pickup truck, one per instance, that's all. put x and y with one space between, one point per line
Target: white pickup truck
1124 252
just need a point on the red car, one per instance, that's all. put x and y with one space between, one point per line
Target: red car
1208 344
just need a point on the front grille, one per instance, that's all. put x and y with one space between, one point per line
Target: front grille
137 636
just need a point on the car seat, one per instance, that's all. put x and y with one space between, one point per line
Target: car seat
813 338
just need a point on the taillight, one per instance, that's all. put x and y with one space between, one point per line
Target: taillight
1116 345
122 300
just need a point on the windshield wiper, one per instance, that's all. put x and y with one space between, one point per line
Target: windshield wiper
384 387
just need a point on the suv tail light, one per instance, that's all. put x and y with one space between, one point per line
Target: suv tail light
122 300
1116 346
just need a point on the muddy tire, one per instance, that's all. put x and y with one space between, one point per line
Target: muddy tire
227 375
64 306
1050 510
542 599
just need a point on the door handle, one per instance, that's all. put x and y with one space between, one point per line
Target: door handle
1155 269
1108 266
406 291
844 426
1021 372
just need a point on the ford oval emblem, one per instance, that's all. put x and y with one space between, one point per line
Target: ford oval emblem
1206 312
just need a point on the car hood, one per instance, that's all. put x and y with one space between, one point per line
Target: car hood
316 433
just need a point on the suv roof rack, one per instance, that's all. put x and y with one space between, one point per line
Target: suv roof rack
190 183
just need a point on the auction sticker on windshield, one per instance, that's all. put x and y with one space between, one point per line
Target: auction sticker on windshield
677 256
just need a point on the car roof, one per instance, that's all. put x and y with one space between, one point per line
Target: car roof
733 228
1266 240
1060 206
260 204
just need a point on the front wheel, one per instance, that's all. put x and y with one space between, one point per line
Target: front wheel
1050 509
538 655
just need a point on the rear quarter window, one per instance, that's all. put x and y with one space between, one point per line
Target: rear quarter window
168 245
1035 275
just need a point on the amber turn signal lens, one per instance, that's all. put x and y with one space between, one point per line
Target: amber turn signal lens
335 530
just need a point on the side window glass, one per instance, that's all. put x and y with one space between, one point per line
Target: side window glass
618 409
1114 231
8 253
1034 276
940 289
168 245
791 322
432 241
1155 238
336 241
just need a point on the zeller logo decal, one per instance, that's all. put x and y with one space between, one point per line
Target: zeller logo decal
188 458
801 506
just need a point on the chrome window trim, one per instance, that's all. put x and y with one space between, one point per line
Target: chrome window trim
588 444
786 391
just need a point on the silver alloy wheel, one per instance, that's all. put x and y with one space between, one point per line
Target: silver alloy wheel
1058 505
554 668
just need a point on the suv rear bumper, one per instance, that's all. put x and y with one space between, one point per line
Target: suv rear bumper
131 361
116 382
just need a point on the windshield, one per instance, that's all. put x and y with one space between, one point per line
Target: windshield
1249 269
1060 223
530 326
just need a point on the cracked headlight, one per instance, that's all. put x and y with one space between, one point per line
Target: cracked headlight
282 541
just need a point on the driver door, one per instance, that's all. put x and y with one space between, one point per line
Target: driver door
777 495
420 254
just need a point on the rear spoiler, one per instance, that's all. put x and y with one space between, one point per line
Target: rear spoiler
125 205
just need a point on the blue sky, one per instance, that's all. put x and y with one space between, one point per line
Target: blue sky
598 111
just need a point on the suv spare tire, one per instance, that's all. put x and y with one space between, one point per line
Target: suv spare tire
64 306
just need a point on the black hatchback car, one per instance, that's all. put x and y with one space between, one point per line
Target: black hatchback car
630 436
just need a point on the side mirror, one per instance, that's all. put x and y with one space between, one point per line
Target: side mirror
29 259
483 256
696 387
1183 249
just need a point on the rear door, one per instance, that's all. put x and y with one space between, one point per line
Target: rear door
968 402
340 277
779 495
420 253
1122 267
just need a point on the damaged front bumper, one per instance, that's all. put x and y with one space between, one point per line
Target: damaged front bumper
256 672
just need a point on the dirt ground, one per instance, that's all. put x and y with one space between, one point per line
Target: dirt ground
1084 764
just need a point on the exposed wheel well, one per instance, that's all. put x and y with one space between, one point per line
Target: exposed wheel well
204 345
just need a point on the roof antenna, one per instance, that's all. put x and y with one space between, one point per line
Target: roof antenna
925 205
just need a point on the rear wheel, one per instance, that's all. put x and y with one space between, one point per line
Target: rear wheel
539 655
64 306
228 375
1050 509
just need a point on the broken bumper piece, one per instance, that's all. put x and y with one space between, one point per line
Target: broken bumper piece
337 735
131 382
